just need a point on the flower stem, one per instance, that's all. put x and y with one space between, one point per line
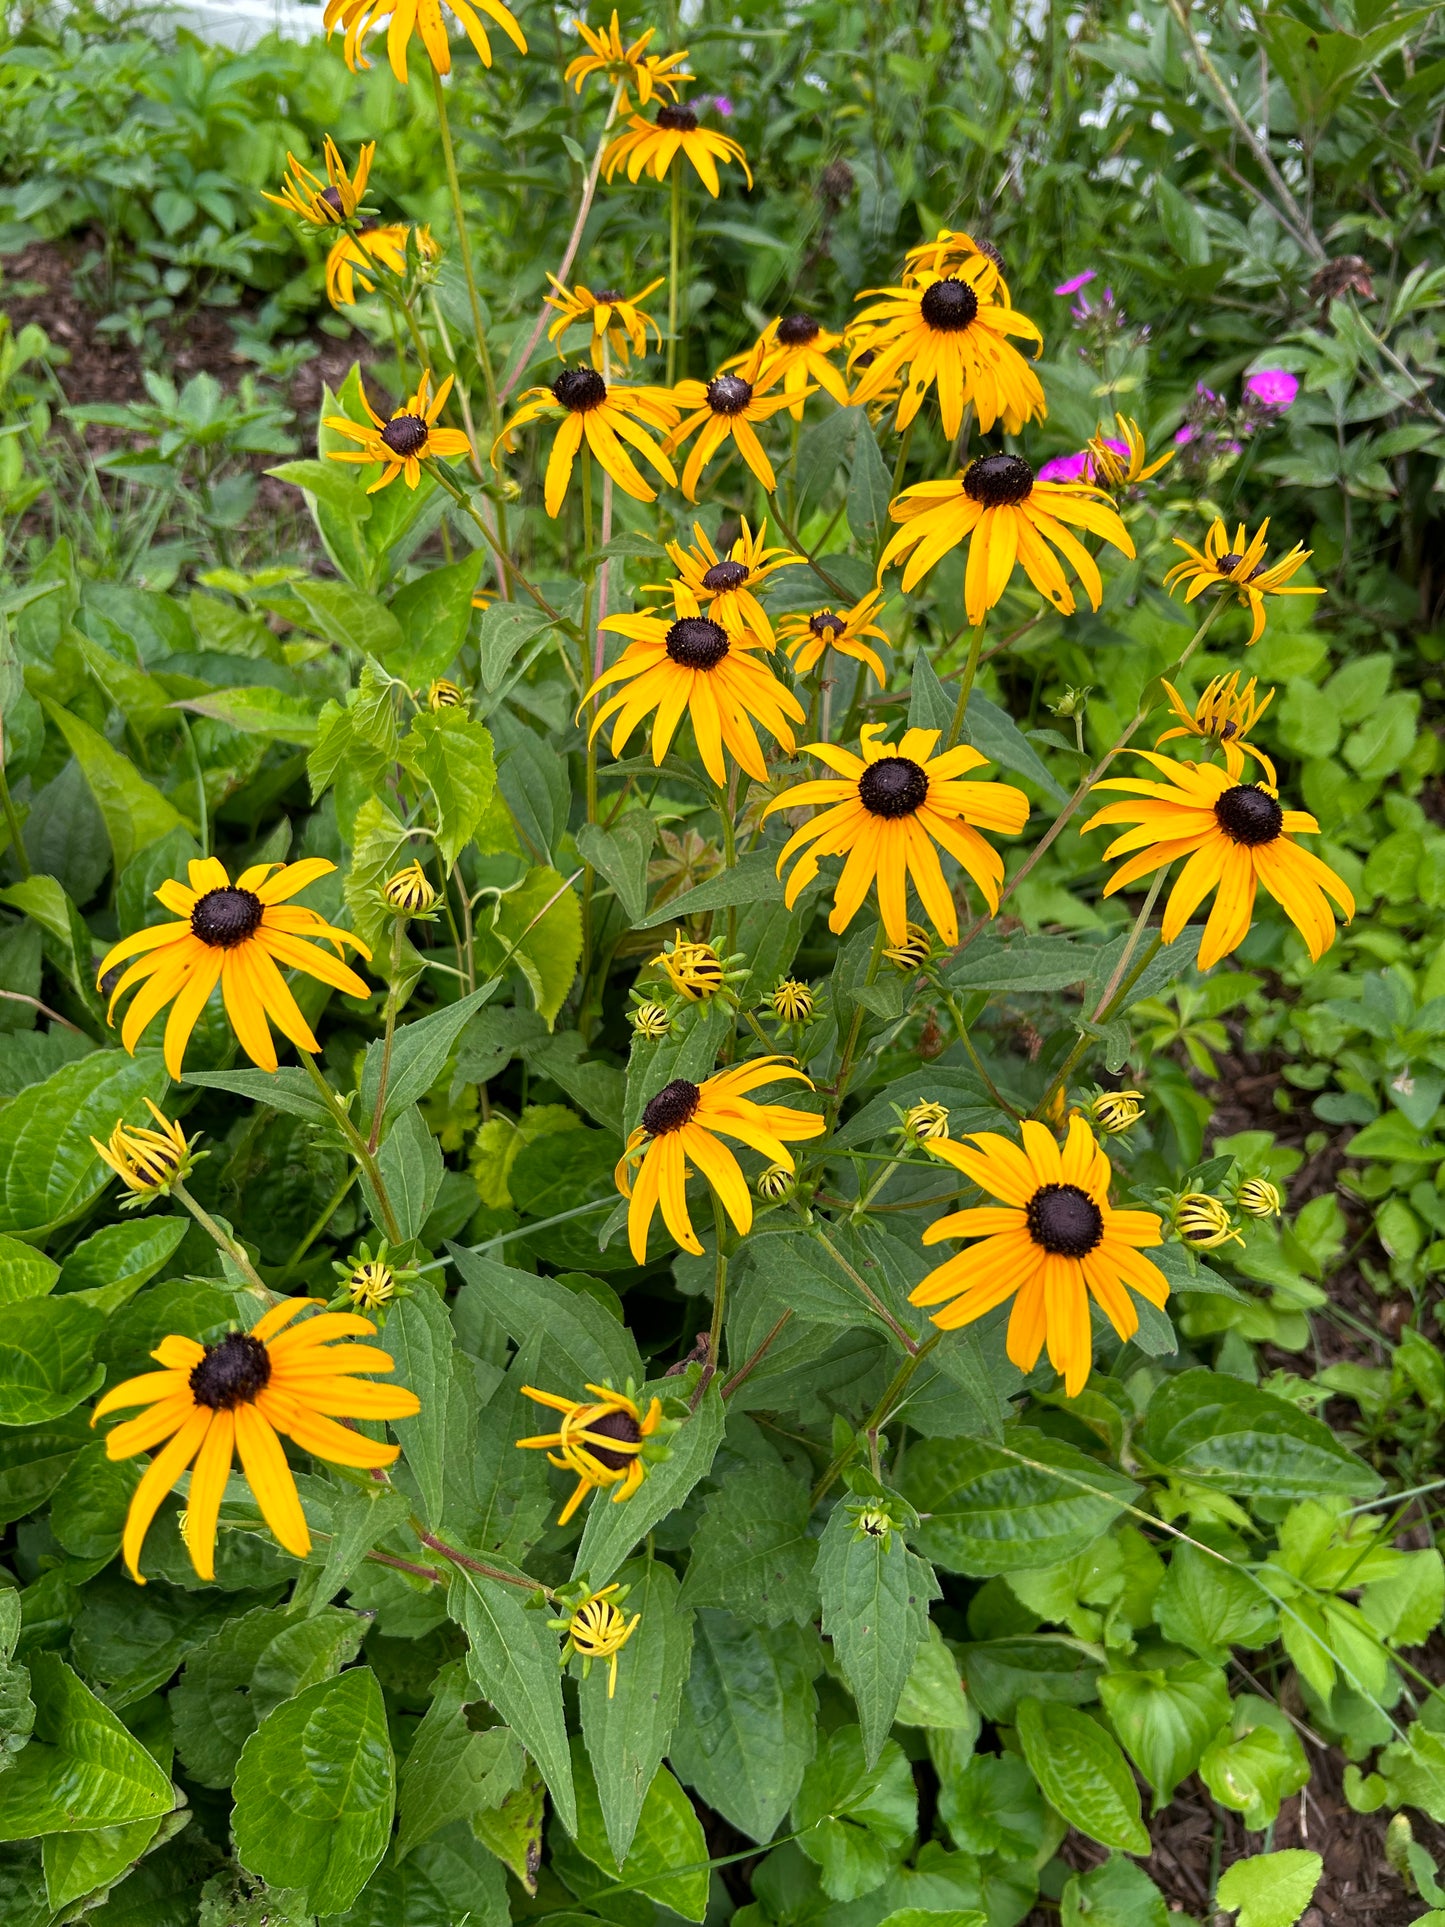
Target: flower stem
468 1564
224 1242
673 250
881 1412
393 991
464 249
360 1149
750 1364
965 688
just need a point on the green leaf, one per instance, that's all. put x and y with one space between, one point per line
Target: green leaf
88 1513
668 1836
47 1359
134 811
453 755
613 1530
1210 1605
315 1791
989 1802
262 711
1184 226
419 1337
933 1695
629 1731
1021 963
1413 1769
869 486
513 1659
1272 1889
86 1866
875 1596
82 1769
286 1090
361 1516
513 1831
328 484
1165 1716
49 1172
1001 1672
1222 1432
352 620
620 854
585 1344
855 1821
995 734
1084 1776
418 1056
690 1050
411 1169
988 1513
113 1263
537 929
505 630
751 1550
25 1272
753 879
44 899
747 1726
1256 1763
33 1461
1118 1894
452 1768
435 613
450 1878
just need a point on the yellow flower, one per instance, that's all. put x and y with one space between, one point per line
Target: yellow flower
409 892
797 347
1225 714
1052 1242
602 1441
336 203
605 415
371 1284
1116 1111
1258 1198
652 146
1114 470
951 250
146 1162
693 667
727 406
596 1627
410 438
722 586
234 935
684 1124
694 970
774 1184
926 1123
804 637
1203 1221
616 319
1007 516
1235 836
888 808
627 66
913 952
237 1395
422 17
1239 566
442 694
372 247
651 1021
793 1002
947 333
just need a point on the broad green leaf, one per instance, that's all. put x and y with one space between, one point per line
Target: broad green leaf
1222 1432
611 1530
86 1866
1209 1605
855 1821
1030 1502
361 1516
349 618
619 855
875 1595
513 1831
261 711
1165 1715
453 756
869 486
47 1359
668 1839
434 612
454 1768
1001 1672
1257 1762
1272 1889
747 1725
450 1878
286 1090
751 1551
628 1731
585 1345
135 811
995 734
933 1694
82 1769
49 1172
88 1512
753 879
315 1791
419 1053
34 1459
24 1272
327 483
537 929
17 1709
513 1659
506 628
43 898
1020 963
1413 1770
113 1263
1118 1894
1084 1776
419 1338
412 1169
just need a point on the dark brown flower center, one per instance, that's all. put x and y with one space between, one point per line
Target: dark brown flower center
609 295
332 198
232 1373
729 394
695 643
1249 815
827 623
797 330
224 918
726 574
405 435
621 1426
579 389
949 306
674 1104
677 120
893 786
998 481
1229 563
1064 1220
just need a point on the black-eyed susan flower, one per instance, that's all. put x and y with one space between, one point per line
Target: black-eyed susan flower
1203 1221
1239 566
1259 1198
336 203
1117 1111
604 415
890 811
210 1402
424 18
1235 836
1007 516
605 1441
945 332
1225 714
651 1021
952 249
596 1626
442 694
796 349
685 1124
695 970
630 67
354 258
925 1123
402 444
235 935
805 635
1119 461
723 586
691 666
617 322
370 1284
1051 1243
727 408
792 1002
774 1184
652 146
146 1162
410 892
913 952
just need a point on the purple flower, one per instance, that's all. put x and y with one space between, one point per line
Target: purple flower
1273 387
723 105
1079 281
1065 468
1185 434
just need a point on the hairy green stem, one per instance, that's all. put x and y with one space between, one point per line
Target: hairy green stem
224 1242
360 1149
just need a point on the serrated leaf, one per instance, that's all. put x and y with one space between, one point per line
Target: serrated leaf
419 1337
751 1551
1084 1776
669 1853
24 1272
620 854
1272 1889
453 755
47 1359
855 1821
434 612
286 1089
262 711
611 1530
875 1595
49 1172
585 1343
418 1055
113 1263
82 1768
453 1770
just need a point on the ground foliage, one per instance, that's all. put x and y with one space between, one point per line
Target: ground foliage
1206 1576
